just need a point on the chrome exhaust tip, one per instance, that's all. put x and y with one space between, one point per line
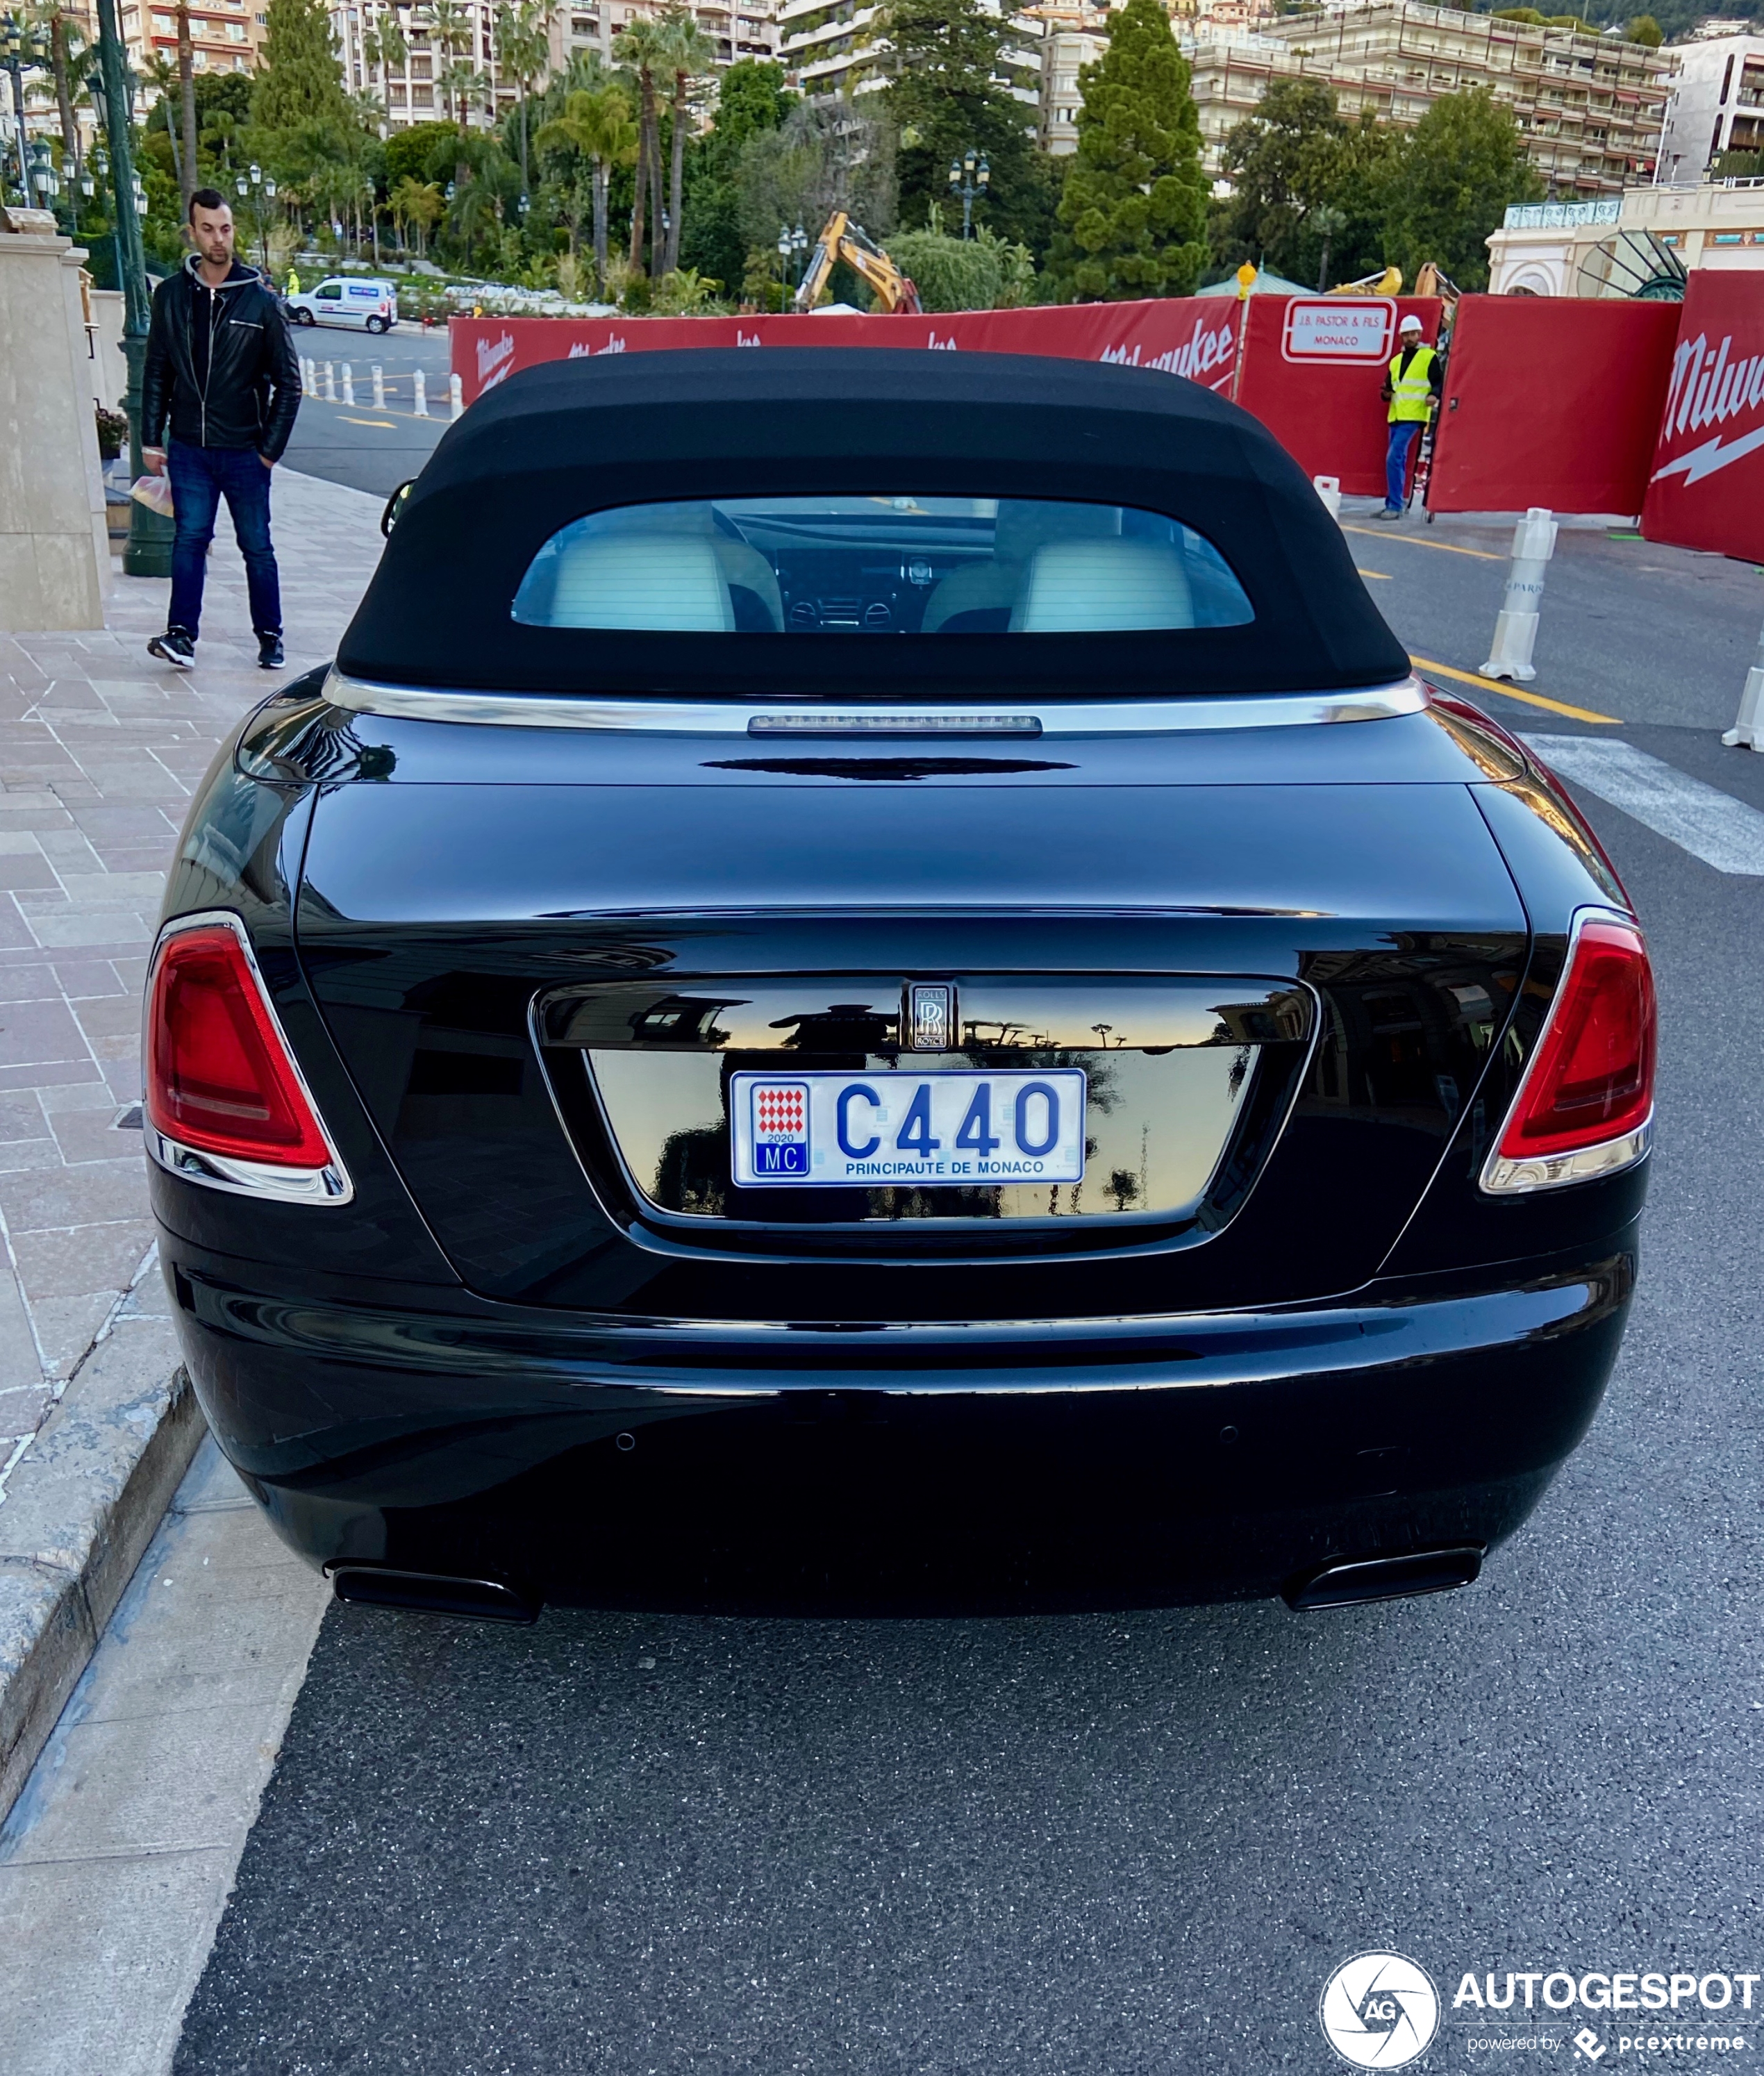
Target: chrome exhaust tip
1347 1583
432 1593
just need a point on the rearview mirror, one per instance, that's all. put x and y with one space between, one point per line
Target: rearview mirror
394 504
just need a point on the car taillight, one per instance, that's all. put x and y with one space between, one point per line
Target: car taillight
1584 1105
220 1079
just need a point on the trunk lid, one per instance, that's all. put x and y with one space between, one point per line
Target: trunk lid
1282 995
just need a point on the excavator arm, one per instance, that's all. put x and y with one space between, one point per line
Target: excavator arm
843 239
819 271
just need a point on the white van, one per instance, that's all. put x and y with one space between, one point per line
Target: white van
348 299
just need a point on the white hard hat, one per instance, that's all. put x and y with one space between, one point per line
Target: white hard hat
1410 323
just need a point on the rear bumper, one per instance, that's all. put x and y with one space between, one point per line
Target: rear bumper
1087 1463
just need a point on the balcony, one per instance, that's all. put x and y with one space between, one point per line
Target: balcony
1560 215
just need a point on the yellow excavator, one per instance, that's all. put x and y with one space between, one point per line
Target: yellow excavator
843 239
1430 281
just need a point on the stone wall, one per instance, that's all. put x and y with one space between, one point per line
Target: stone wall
54 559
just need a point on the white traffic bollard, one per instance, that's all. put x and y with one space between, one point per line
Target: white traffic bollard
379 387
349 383
419 409
330 382
1329 488
1747 731
1516 630
456 395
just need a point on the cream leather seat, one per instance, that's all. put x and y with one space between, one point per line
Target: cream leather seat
668 582
1095 587
1023 525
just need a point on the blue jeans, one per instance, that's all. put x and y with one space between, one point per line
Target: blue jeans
1402 438
201 478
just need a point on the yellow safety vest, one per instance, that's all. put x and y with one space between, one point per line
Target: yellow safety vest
1411 398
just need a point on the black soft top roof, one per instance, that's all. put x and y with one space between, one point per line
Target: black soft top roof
574 437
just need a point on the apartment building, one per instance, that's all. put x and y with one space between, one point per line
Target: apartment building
225 36
834 47
1717 104
1589 108
1071 37
417 90
743 30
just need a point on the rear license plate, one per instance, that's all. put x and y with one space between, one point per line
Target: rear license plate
820 1130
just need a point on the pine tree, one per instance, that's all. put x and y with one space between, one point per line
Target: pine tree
1133 213
299 82
950 94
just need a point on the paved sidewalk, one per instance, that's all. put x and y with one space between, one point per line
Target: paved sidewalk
117 1859
100 749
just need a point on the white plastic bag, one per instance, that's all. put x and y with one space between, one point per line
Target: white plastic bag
155 493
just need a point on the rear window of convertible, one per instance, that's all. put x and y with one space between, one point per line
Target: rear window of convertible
879 566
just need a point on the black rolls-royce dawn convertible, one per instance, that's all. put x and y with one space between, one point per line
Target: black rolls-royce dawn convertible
870 984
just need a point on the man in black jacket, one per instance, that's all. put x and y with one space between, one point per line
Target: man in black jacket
222 366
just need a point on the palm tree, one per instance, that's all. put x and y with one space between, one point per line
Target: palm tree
161 75
691 54
414 202
454 33
383 47
647 47
186 80
66 41
598 126
522 49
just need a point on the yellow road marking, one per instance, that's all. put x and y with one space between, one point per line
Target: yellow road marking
1415 541
1512 692
1383 574
386 422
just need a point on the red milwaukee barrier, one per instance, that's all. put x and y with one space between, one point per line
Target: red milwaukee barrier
1312 370
1551 401
1196 336
1548 400
1706 486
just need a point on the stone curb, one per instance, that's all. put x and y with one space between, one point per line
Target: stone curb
80 1508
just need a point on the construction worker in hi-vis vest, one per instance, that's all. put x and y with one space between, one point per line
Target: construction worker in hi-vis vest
1411 385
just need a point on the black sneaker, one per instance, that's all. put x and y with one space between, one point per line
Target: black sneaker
174 646
269 652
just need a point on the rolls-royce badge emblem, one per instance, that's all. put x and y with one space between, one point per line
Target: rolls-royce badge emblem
931 1016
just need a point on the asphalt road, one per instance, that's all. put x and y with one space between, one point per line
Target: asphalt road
1119 1844
369 449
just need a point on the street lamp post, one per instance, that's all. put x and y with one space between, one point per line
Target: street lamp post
791 245
148 552
979 176
22 53
257 191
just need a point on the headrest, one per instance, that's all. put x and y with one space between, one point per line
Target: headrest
1095 587
669 581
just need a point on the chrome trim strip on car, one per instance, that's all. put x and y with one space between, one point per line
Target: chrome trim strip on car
894 724
1501 1177
328 1184
1514 1178
728 717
